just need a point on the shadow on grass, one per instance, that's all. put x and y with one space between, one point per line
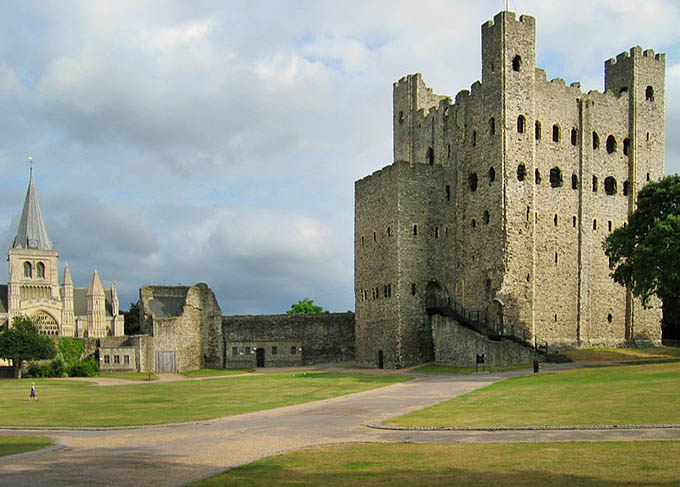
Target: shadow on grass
264 474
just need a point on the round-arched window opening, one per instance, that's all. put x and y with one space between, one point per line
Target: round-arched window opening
472 182
517 63
41 270
610 318
492 175
521 172
626 146
649 93
610 186
555 177
28 270
574 136
611 144
596 141
556 133
521 124
574 181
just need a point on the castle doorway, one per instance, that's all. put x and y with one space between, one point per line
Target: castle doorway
165 362
259 356
380 359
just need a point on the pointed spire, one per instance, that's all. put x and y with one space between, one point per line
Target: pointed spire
67 276
32 233
95 288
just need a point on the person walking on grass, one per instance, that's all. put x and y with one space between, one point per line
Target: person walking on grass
33 396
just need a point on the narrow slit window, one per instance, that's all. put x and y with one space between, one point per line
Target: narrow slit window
573 221
574 181
492 175
594 184
517 63
521 172
448 192
649 93
486 217
574 136
430 156
492 126
537 176
626 146
415 230
472 182
521 123
556 133
537 130
596 141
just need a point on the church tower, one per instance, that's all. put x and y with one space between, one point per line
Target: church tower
96 311
33 286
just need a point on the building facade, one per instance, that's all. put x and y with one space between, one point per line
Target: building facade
33 288
499 202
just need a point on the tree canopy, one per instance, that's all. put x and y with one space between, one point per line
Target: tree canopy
132 319
305 306
22 341
645 253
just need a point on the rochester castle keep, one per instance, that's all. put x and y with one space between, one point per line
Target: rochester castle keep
495 209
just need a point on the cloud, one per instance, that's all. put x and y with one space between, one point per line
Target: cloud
219 141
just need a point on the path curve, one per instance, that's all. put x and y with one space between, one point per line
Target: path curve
176 455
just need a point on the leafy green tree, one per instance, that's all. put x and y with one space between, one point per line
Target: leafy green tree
132 320
645 253
22 342
305 306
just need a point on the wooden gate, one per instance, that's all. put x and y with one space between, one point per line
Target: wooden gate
165 362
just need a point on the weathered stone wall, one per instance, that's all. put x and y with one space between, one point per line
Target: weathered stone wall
521 171
118 359
280 353
456 345
324 337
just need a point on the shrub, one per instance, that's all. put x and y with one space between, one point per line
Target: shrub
57 368
33 370
71 350
85 368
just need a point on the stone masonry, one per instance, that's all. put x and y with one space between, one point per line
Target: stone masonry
501 199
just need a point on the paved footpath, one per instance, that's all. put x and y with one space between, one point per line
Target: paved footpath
174 455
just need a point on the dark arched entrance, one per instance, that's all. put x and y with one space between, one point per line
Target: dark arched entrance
259 355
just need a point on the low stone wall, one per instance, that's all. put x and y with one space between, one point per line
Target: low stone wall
324 337
670 343
455 344
246 355
117 359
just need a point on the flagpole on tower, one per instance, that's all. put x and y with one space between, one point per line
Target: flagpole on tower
30 163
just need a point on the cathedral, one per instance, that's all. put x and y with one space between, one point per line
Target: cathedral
33 288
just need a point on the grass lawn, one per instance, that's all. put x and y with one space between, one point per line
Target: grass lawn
62 402
627 394
454 370
215 372
128 375
11 445
616 354
600 464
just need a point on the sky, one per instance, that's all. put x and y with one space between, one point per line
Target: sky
179 142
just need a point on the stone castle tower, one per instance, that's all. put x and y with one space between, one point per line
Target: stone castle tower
33 288
498 203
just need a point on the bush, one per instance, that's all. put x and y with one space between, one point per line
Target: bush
85 368
71 350
33 370
57 368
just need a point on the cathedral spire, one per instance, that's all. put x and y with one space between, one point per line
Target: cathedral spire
67 276
32 233
96 288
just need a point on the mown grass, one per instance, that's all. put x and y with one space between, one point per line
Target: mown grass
214 372
620 354
455 370
11 445
129 375
627 394
62 402
600 464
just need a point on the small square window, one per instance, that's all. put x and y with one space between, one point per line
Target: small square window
275 350
126 359
107 359
116 359
293 350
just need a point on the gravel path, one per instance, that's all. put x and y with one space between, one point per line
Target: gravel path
174 455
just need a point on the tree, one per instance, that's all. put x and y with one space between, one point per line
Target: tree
644 254
305 306
22 341
132 320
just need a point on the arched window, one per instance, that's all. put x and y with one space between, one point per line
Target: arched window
28 270
555 177
521 122
516 63
430 156
486 217
611 144
473 223
492 175
41 270
521 172
649 93
626 146
472 182
610 186
537 176
492 126
556 133
537 130
596 141
574 181
574 136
